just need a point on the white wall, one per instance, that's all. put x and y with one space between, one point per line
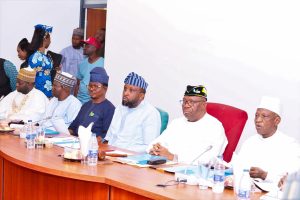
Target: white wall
18 18
240 50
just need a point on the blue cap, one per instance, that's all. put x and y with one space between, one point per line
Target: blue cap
98 74
136 80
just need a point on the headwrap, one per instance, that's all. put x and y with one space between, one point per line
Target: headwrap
98 74
78 31
92 41
198 90
65 79
136 80
46 28
271 104
27 74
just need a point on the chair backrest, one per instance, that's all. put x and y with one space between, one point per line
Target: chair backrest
164 116
233 121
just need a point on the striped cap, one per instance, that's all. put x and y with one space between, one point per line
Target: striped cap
27 74
136 80
65 79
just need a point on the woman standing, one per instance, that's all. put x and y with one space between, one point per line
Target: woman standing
39 60
23 52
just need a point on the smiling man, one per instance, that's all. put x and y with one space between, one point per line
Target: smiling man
98 110
136 122
269 154
187 137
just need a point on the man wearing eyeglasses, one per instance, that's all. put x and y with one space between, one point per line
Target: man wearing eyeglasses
98 110
187 137
136 122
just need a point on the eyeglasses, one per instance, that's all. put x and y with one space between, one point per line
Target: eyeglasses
93 86
189 102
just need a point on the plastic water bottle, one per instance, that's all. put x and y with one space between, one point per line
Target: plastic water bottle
30 135
219 176
93 151
245 186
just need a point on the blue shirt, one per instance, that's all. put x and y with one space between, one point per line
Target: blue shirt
84 76
12 73
71 59
99 113
43 66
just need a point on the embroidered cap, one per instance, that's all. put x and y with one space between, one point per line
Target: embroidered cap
98 74
46 28
27 74
92 41
270 103
198 90
136 80
78 31
65 79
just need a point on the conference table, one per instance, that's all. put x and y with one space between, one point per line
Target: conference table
36 174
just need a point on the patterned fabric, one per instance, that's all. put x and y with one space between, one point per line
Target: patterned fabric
11 72
136 80
65 79
43 65
27 74
198 90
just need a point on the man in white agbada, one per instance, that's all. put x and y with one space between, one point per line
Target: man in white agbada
270 154
187 137
63 105
26 102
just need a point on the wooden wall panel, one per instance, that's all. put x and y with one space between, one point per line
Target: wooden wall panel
96 18
119 194
24 184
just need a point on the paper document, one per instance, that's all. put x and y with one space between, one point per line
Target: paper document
65 141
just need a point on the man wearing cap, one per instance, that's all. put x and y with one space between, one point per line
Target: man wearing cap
136 122
63 105
85 67
269 154
25 103
73 54
188 137
98 110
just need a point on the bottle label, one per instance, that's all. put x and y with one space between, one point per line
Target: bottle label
244 194
93 153
218 178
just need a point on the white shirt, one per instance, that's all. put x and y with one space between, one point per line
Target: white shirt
277 155
189 139
24 107
66 109
134 128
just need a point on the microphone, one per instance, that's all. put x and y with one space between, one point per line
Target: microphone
191 180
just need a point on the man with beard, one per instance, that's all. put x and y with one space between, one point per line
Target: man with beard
85 67
73 54
269 154
63 105
136 122
187 137
25 103
98 110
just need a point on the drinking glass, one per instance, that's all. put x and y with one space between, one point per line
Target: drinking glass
202 174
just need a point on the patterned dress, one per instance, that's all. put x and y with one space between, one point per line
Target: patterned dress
43 66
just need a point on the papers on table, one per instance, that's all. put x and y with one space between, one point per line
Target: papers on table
65 141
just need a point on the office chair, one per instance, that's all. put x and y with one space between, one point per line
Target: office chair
164 116
233 121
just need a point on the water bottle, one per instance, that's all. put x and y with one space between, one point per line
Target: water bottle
219 176
93 151
244 186
30 135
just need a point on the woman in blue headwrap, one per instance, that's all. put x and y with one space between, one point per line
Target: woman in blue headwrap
39 60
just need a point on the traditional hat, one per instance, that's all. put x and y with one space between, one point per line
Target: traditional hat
92 41
27 74
65 79
98 74
78 31
270 103
136 80
198 90
46 28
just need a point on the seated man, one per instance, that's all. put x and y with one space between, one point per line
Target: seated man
189 136
269 154
136 122
25 103
98 110
63 105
